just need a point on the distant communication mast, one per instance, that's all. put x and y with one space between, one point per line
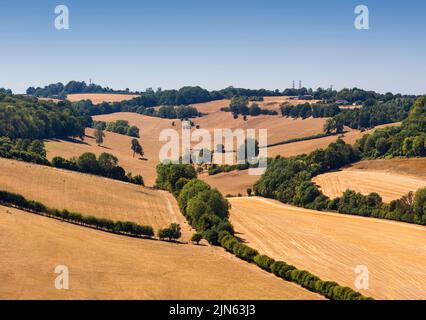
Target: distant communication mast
300 84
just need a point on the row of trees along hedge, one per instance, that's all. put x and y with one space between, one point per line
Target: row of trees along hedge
208 211
105 165
27 118
306 110
119 126
122 227
23 149
330 290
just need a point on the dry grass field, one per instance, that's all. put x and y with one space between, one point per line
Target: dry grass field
107 266
92 195
332 245
415 167
370 177
231 183
98 98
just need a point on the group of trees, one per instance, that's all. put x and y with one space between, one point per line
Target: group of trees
24 150
121 227
407 140
307 110
27 118
105 165
377 113
205 208
239 105
170 112
119 126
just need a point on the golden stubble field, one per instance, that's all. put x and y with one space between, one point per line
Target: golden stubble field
92 195
106 266
98 98
332 245
392 179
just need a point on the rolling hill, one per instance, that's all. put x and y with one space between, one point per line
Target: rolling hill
107 266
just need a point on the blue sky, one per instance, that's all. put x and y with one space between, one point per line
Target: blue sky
214 44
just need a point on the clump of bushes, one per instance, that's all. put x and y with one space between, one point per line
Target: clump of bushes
119 126
173 232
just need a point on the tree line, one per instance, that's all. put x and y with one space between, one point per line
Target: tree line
407 140
27 118
208 211
376 114
59 90
306 110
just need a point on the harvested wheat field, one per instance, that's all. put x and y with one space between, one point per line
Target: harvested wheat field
92 195
332 245
106 266
98 98
231 183
389 185
415 167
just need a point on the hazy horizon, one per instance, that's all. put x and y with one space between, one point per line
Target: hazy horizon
247 44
